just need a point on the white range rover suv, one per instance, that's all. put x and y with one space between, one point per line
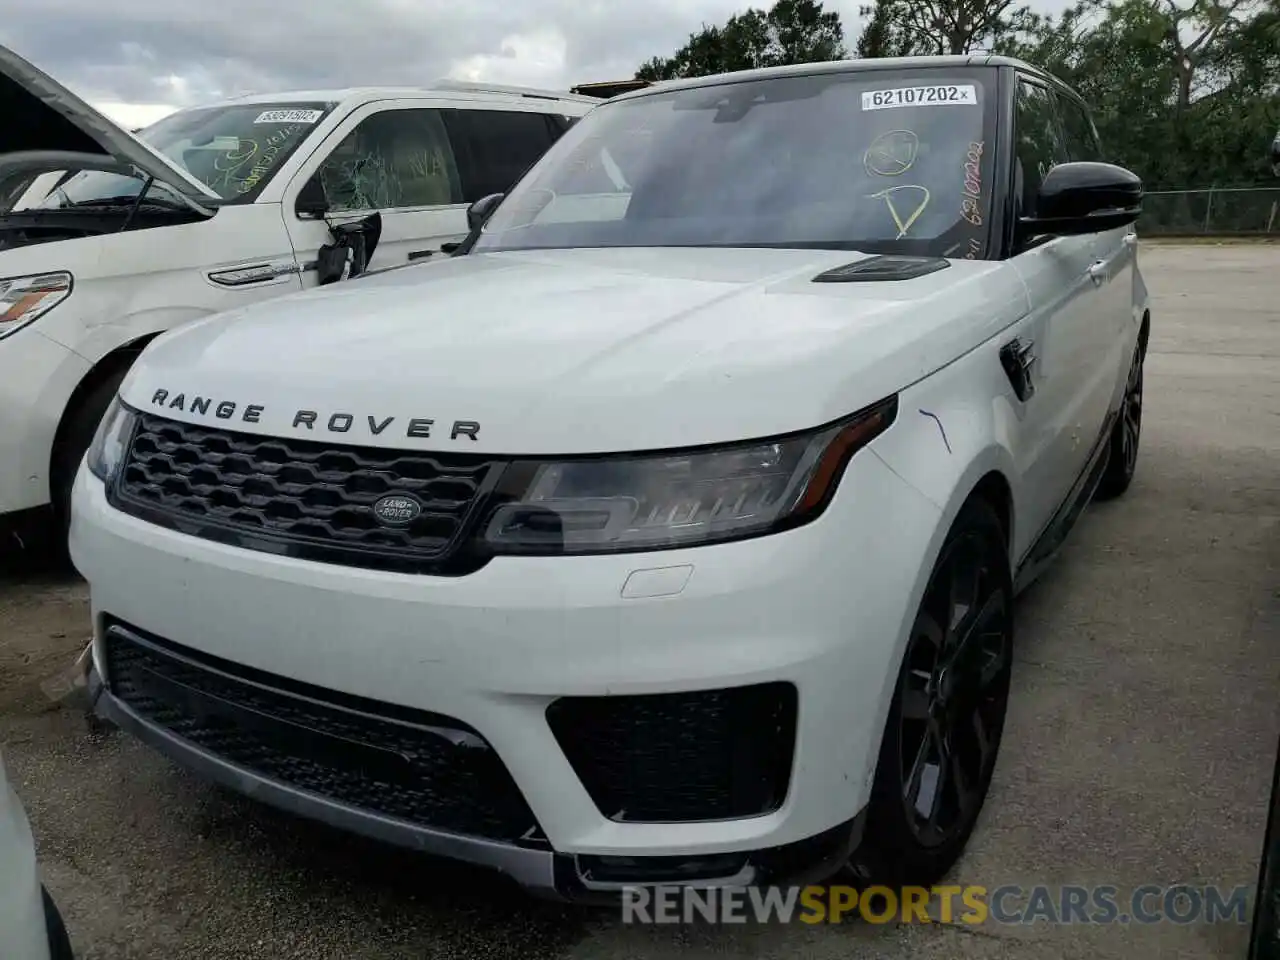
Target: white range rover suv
668 532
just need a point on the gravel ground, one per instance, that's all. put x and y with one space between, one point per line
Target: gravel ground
1139 749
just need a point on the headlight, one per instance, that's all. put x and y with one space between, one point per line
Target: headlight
23 299
649 502
107 449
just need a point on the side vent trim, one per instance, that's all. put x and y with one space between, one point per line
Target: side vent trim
883 267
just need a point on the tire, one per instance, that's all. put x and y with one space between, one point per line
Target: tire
59 940
950 704
1122 460
81 425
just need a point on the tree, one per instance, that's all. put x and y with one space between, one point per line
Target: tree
883 36
1185 95
791 31
906 27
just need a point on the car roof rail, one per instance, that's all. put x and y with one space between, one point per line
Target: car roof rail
471 86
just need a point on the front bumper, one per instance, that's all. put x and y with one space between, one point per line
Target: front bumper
541 870
37 377
490 652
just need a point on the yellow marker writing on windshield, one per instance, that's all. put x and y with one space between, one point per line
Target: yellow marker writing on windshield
887 197
891 154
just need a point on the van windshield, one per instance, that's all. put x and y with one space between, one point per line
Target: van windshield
882 160
235 150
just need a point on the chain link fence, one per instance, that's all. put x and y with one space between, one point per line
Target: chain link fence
1214 211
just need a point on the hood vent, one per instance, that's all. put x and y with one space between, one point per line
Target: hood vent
883 268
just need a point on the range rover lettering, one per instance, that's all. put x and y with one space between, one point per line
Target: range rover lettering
790 380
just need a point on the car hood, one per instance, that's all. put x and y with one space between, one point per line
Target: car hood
47 127
575 351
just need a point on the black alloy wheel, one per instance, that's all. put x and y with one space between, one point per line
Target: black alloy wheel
1126 434
955 691
947 719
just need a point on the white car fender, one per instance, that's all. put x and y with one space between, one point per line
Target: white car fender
106 338
952 430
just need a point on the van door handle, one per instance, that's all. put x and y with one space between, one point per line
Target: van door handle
421 254
1098 271
1130 239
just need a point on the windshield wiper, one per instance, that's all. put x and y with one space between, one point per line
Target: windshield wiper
124 201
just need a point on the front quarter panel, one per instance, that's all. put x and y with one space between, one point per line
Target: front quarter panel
130 285
955 427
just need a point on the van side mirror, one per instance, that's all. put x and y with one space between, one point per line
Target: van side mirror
480 211
1084 197
312 202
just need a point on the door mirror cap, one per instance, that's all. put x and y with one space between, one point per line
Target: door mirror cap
1084 197
312 202
480 211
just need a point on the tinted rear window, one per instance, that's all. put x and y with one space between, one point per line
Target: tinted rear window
494 147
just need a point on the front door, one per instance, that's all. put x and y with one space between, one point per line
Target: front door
419 164
392 157
1065 328
1115 252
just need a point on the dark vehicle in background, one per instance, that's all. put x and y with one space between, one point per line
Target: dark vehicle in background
605 89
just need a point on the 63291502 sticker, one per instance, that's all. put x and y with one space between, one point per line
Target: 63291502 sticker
288 116
931 95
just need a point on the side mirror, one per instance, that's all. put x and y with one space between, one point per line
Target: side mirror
1084 197
480 211
312 202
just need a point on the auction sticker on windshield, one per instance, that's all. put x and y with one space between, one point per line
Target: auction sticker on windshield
291 116
937 95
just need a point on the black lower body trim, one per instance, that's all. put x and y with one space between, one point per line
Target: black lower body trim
1055 533
529 867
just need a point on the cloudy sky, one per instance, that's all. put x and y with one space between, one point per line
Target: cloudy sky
138 59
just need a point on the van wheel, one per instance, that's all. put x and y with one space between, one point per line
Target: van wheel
946 719
74 439
1123 457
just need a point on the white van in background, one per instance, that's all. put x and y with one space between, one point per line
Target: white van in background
107 239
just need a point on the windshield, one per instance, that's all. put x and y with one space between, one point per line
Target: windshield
877 160
235 150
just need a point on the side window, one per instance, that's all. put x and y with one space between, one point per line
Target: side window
1082 138
496 147
392 159
1041 144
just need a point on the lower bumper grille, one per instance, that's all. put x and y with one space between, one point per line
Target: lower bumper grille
422 768
681 757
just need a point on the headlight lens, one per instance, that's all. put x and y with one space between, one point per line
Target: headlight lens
106 452
24 299
612 504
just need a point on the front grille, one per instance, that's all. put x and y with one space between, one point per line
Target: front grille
426 769
679 757
299 497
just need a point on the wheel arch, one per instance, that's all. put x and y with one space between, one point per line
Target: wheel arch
119 359
986 480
